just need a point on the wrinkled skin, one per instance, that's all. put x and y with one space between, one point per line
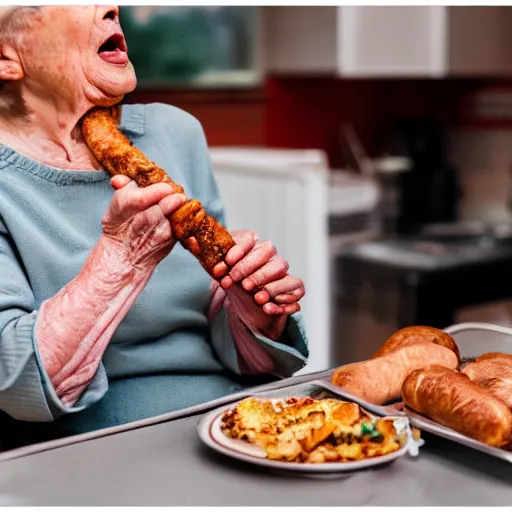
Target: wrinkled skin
137 221
53 75
136 237
254 263
69 65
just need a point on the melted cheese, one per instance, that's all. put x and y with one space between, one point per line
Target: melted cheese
308 430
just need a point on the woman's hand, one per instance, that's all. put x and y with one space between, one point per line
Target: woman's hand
273 293
76 325
137 220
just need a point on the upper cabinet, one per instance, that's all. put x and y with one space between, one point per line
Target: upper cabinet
373 42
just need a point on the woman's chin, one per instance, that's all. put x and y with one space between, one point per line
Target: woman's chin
107 101
113 88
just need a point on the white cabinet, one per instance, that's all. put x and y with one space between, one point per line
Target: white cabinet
283 196
391 41
395 41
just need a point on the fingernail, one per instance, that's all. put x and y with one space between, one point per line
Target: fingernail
220 270
260 298
226 282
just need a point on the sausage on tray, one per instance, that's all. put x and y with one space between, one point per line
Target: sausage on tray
379 381
493 374
495 356
451 399
418 334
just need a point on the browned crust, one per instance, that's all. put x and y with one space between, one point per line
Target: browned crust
379 381
451 399
418 334
495 356
494 375
115 153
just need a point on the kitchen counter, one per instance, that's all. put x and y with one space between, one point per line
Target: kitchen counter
161 461
166 464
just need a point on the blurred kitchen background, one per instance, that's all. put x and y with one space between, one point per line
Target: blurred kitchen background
372 145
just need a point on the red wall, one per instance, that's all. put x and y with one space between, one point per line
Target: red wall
307 112
228 117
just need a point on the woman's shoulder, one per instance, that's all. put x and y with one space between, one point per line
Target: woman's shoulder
175 140
155 118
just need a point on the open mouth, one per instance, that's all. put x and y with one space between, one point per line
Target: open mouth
114 50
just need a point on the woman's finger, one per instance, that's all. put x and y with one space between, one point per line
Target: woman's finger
291 309
261 297
286 285
119 181
193 245
169 204
131 199
220 269
245 241
275 269
257 257
272 309
226 282
244 244
289 298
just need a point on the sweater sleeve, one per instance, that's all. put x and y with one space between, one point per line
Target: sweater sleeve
239 349
26 392
245 352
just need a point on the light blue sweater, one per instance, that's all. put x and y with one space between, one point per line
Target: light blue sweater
165 355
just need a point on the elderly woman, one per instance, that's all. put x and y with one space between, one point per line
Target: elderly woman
99 325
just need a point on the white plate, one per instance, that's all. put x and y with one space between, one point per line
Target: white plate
209 430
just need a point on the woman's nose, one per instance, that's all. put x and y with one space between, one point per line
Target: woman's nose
108 12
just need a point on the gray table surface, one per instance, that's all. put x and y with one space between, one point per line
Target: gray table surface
166 464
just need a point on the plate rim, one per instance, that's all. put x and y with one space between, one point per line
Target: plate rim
204 431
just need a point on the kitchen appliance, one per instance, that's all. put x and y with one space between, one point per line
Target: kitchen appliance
427 191
384 285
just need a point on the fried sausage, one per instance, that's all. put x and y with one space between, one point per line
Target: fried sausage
418 334
380 380
451 399
494 375
495 356
190 222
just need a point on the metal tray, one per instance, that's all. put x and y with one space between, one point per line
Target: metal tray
422 423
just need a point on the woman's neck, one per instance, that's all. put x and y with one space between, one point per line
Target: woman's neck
47 132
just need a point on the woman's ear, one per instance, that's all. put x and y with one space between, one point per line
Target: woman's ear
10 67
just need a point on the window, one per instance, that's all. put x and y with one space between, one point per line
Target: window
193 46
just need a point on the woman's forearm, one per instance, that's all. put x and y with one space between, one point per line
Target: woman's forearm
253 358
75 326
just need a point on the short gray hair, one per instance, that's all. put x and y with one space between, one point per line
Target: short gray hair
12 22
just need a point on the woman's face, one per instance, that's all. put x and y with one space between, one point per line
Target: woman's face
76 51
